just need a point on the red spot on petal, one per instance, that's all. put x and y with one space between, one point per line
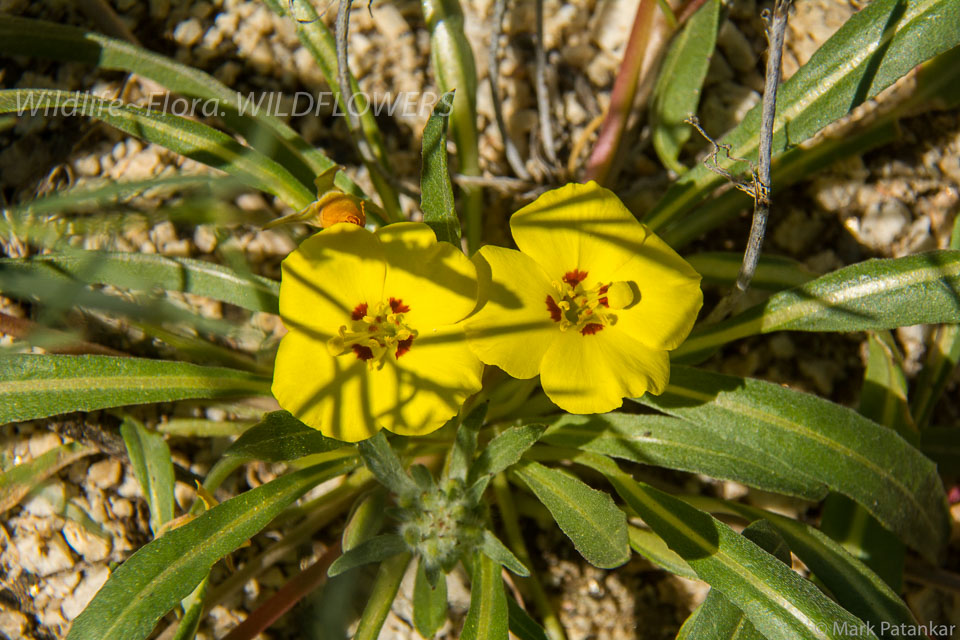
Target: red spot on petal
363 353
359 311
397 306
591 329
603 301
575 277
403 346
553 309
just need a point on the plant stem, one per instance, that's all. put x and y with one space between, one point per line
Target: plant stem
381 598
511 524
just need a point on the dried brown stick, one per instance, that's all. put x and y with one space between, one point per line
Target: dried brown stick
543 91
509 149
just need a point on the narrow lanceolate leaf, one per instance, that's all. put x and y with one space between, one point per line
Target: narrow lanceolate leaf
673 443
597 528
429 603
522 625
152 465
876 294
160 574
830 444
465 445
38 386
499 553
855 586
718 618
20 480
877 46
777 601
505 450
382 461
253 119
653 548
365 520
376 549
487 618
774 273
146 271
280 436
181 135
677 93
436 191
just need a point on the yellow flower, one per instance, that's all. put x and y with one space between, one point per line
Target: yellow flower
592 302
373 340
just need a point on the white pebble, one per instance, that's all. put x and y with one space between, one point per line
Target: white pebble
81 597
91 547
188 32
105 474
43 557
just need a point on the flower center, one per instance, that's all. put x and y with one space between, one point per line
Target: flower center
374 333
588 310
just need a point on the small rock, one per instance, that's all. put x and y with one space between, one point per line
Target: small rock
87 166
40 443
121 507
736 47
43 557
105 474
91 547
81 597
46 501
13 624
782 346
882 223
142 166
188 32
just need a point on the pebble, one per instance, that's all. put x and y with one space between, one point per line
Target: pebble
121 507
105 474
89 546
40 443
76 602
736 47
883 222
188 32
87 166
46 501
43 557
13 624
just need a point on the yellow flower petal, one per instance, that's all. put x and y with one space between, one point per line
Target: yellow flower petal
328 276
578 226
434 279
420 391
670 296
593 373
512 328
334 395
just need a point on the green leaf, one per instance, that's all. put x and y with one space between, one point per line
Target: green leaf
876 294
677 92
436 191
778 602
876 46
376 549
429 603
17 482
718 618
465 445
39 386
522 625
181 135
279 437
597 528
830 444
163 572
883 397
153 467
856 587
505 450
385 588
265 132
145 271
774 273
653 548
487 618
672 443
382 461
499 553
366 520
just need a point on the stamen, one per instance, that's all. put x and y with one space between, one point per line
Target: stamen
375 332
588 310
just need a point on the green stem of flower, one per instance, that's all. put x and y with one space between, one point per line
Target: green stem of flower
454 67
511 524
384 591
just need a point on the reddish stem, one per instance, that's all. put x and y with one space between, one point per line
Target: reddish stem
283 600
